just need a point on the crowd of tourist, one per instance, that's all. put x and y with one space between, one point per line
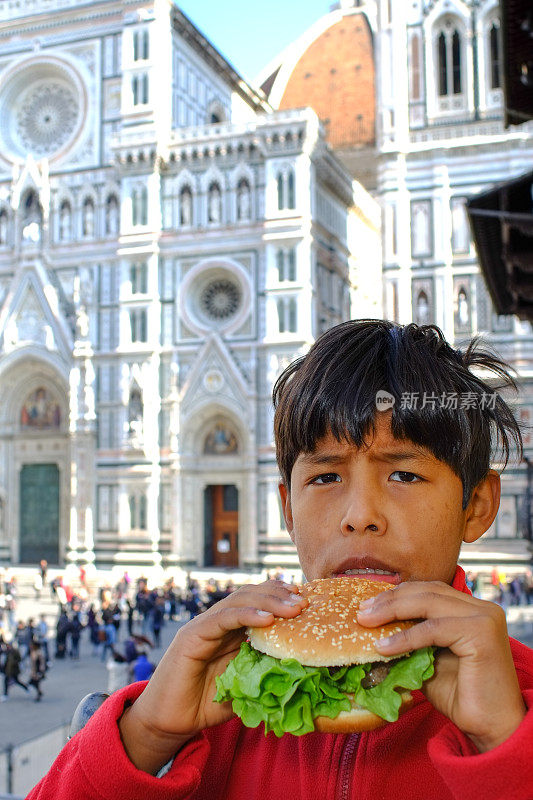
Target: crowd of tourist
122 625
506 590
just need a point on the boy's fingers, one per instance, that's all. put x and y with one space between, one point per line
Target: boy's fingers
464 636
228 620
269 593
418 601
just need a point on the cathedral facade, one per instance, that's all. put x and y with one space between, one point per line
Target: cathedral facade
168 244
411 94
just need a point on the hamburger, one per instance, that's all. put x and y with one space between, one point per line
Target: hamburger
320 671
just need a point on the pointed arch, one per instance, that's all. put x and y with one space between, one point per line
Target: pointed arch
286 187
31 215
139 204
65 221
214 203
185 206
88 212
112 213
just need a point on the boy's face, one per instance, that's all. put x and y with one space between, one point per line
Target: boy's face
390 506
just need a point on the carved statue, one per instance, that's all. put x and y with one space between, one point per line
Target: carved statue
243 200
65 222
32 219
214 203
88 218
3 227
185 207
111 219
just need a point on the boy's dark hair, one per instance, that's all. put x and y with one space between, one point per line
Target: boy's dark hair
333 389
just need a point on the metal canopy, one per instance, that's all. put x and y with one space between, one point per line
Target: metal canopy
502 226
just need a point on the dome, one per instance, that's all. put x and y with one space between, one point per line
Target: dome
331 69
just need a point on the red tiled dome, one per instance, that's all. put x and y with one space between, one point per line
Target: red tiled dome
335 76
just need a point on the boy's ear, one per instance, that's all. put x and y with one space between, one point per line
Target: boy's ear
483 507
285 495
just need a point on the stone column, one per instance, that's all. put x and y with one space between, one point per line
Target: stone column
82 452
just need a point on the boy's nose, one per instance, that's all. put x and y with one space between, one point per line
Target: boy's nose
363 518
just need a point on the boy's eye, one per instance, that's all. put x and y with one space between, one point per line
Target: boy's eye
405 477
327 477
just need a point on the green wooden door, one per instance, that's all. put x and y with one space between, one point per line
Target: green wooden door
39 513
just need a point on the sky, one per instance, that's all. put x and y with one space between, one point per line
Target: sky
250 33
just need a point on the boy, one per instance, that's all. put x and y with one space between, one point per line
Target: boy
362 490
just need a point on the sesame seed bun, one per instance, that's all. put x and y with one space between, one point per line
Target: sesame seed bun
326 633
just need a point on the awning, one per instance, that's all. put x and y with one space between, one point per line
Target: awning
502 226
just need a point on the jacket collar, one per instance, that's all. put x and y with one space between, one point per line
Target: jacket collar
459 581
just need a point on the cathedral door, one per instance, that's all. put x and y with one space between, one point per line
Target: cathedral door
39 513
221 504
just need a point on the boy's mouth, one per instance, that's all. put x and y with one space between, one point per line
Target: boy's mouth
369 569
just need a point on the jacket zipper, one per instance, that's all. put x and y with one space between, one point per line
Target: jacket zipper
346 767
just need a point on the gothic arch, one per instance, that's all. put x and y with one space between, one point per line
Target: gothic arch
442 19
242 170
21 377
184 178
489 23
213 175
197 424
216 113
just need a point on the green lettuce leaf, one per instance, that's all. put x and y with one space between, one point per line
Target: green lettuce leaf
287 696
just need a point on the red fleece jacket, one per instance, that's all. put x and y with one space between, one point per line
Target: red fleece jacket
420 756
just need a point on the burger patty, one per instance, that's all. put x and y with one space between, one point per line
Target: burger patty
376 675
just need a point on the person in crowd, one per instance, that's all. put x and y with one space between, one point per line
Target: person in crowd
94 627
157 619
54 583
12 663
61 593
31 634
193 602
63 628
472 582
529 587
118 671
134 645
83 579
11 606
116 618
143 605
108 639
21 639
37 668
3 650
76 627
130 612
38 585
41 634
142 668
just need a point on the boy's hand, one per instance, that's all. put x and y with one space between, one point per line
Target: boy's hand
475 683
178 701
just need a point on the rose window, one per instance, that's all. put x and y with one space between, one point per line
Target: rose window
47 118
44 108
220 299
